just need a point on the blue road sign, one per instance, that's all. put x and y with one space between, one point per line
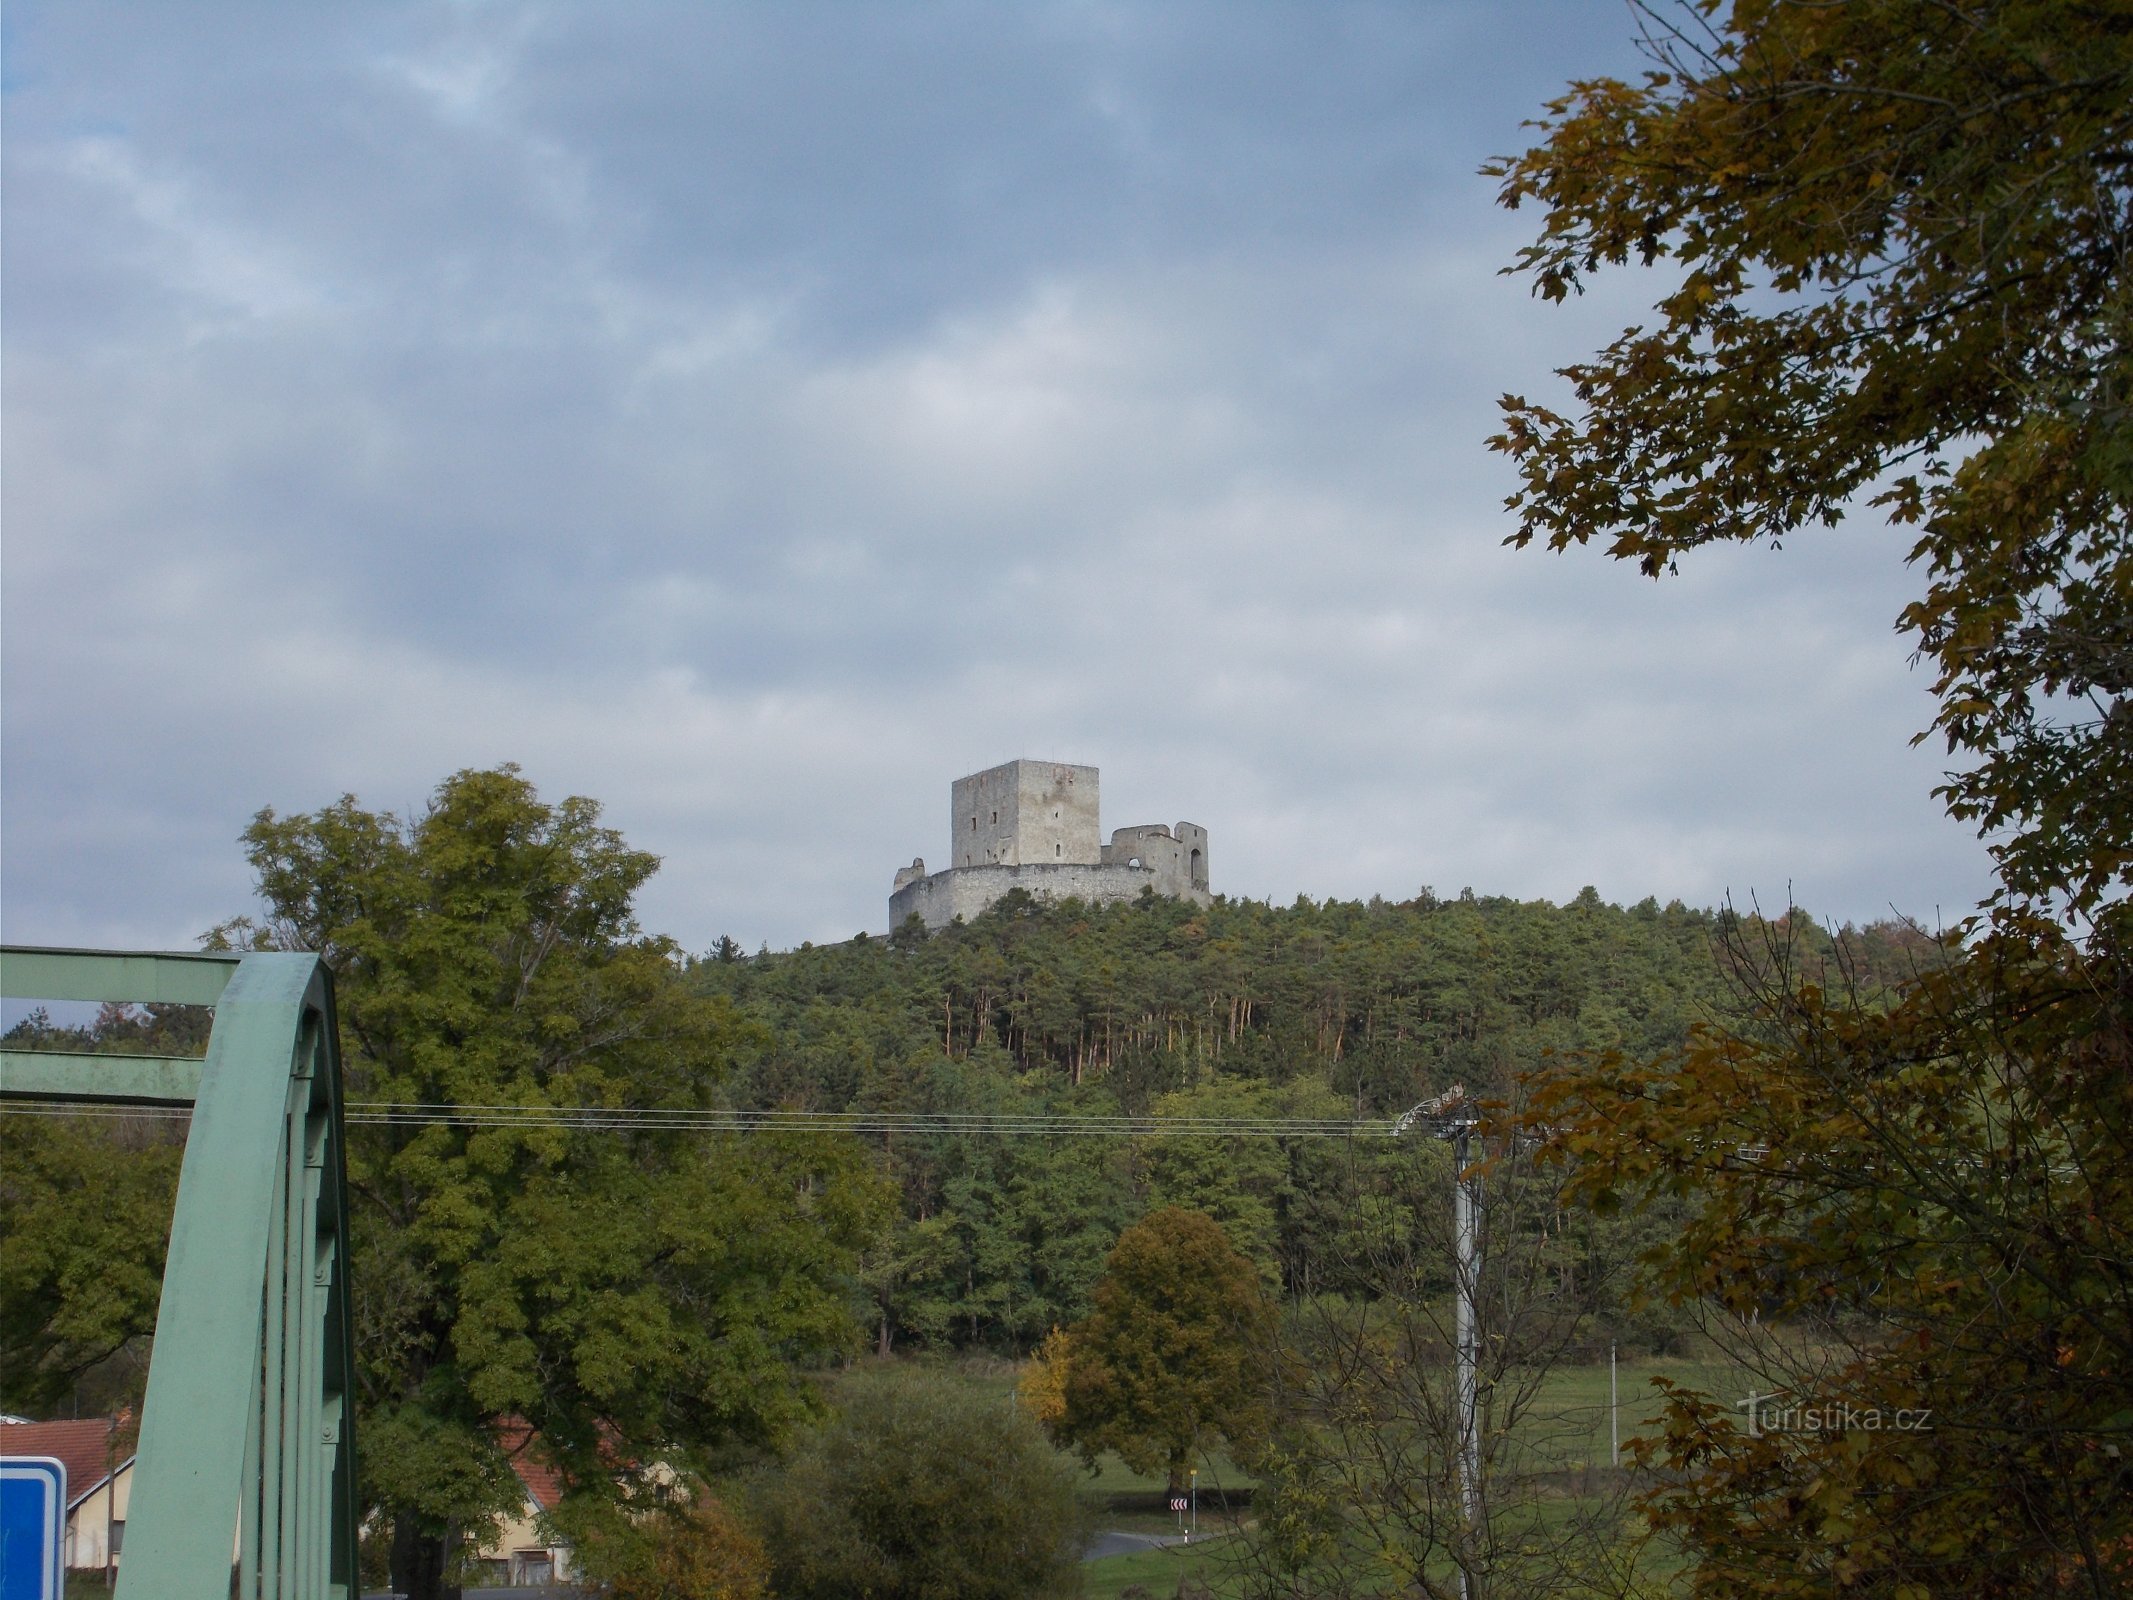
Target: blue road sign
33 1521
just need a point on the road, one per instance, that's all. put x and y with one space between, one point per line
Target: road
1124 1544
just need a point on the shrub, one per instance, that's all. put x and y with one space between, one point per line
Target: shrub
918 1489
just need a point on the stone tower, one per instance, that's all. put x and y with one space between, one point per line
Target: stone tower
1032 825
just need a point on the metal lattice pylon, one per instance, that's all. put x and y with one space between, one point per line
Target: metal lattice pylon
247 1452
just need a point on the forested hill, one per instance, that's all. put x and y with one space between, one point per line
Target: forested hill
1313 1010
1383 1002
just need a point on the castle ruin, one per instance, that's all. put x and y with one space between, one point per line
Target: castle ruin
1031 825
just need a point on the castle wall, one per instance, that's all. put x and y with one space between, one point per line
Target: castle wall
966 892
1177 857
1193 838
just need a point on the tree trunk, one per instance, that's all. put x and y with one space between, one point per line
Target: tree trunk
418 1559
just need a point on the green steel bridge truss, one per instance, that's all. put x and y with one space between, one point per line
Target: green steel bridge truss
244 1484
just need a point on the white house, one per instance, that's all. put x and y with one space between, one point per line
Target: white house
99 1481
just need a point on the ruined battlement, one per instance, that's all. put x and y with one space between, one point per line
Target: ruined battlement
1032 825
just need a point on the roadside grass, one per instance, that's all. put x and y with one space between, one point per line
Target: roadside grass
1159 1572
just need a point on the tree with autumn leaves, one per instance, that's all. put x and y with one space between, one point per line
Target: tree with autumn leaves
1896 236
1896 232
1171 1359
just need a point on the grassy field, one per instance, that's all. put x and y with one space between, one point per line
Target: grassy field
1564 1428
1566 1425
1160 1572
1564 1431
1563 1435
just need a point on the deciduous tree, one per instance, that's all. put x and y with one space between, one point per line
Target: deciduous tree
1913 1227
85 1207
1173 1355
1898 231
630 1290
1360 1491
79 1283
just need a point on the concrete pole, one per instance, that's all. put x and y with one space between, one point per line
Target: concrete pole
1466 1219
1444 1117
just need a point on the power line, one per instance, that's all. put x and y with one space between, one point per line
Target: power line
387 1113
836 1122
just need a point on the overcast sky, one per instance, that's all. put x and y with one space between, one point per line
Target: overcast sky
754 416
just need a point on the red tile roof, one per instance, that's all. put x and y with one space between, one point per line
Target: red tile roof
529 1459
85 1448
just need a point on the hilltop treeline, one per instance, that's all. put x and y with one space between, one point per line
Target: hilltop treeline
1340 1009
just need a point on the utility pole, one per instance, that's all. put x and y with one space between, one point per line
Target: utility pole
1451 1116
1466 1226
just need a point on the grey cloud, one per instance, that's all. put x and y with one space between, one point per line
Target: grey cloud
756 416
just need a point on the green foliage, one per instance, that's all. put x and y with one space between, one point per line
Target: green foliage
1359 1488
626 1292
1316 1010
85 1206
1900 233
920 1488
79 1283
997 1234
1175 1353
1244 1182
